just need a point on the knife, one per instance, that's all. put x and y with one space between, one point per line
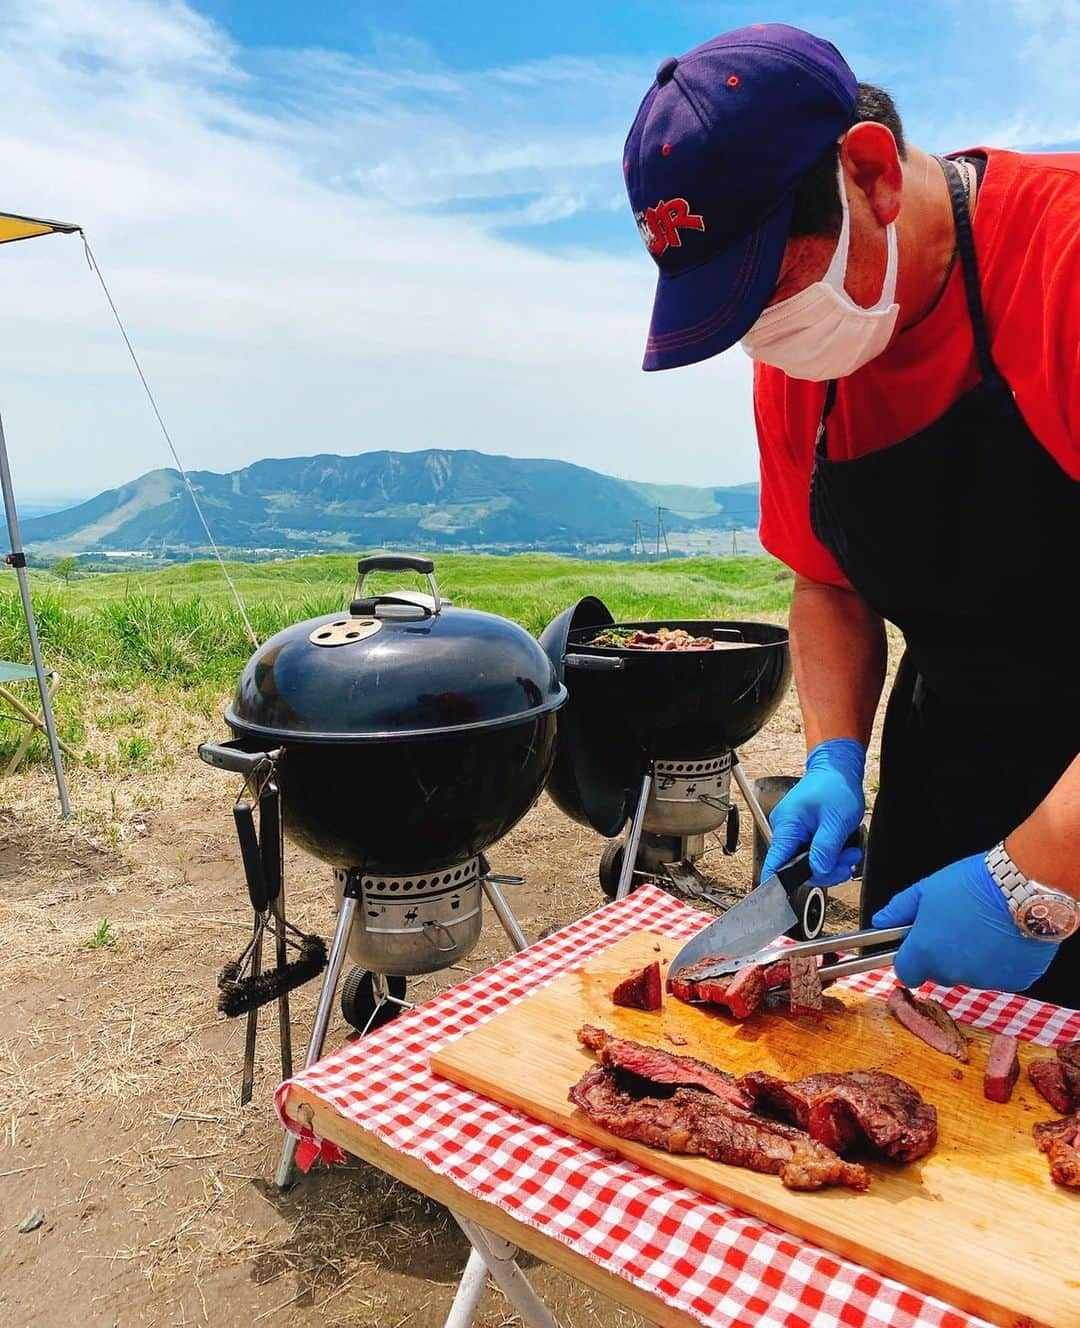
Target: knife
735 939
745 933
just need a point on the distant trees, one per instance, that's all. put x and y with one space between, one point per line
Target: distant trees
65 567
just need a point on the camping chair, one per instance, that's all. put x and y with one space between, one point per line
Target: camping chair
10 672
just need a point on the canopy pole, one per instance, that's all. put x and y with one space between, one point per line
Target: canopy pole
17 559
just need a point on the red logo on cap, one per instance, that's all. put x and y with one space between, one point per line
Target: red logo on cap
660 225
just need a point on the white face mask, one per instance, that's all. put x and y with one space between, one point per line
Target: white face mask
821 333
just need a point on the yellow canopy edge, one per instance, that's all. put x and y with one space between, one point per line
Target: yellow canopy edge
14 227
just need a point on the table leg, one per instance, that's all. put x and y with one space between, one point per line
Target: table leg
499 1256
469 1293
283 1176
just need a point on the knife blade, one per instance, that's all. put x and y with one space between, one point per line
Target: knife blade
761 916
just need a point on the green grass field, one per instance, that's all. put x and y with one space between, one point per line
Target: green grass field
176 630
179 623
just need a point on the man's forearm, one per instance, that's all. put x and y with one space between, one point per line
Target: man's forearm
1046 847
838 651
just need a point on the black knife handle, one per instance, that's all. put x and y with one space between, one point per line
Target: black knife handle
798 871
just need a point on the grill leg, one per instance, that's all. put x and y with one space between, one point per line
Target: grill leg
626 876
760 819
504 913
499 1255
283 1176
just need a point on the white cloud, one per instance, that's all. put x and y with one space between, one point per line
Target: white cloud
289 289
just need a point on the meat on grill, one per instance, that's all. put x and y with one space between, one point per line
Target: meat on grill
1002 1068
1047 1074
697 1123
641 990
805 985
659 1066
1060 1141
853 1108
664 638
929 1021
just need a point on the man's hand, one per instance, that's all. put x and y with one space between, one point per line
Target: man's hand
822 811
962 932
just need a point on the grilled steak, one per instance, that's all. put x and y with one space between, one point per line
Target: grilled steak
641 990
1060 1141
1002 1068
853 1108
929 1021
741 993
1069 1056
699 1124
1047 1074
660 1067
805 984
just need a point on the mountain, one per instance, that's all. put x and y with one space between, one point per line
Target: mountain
430 499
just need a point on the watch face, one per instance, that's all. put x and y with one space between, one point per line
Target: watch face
1049 917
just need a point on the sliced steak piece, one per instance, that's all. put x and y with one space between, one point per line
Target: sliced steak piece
699 1124
1060 1141
641 990
805 984
660 1068
929 1021
853 1108
1002 1068
741 993
1047 1074
745 990
1069 1056
778 974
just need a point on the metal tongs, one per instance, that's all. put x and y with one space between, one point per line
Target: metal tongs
747 931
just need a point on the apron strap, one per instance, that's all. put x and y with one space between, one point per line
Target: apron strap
965 244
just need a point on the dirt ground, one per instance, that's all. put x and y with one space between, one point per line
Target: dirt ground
119 1080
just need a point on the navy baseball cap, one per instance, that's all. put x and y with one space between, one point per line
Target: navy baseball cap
712 162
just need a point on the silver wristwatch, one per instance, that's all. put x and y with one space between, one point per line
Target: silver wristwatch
1040 911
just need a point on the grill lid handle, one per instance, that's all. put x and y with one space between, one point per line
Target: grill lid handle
596 663
394 562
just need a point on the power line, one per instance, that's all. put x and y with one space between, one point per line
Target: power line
172 448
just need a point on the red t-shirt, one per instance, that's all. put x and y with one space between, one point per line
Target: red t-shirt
1027 242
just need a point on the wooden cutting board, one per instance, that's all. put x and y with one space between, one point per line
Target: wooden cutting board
978 1222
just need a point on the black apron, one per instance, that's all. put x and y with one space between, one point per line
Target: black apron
966 535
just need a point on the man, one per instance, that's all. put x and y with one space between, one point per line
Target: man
915 324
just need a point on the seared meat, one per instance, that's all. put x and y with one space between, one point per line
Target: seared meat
740 992
929 1021
641 990
805 984
855 1107
697 1123
1069 1056
659 1066
1060 1141
1002 1068
1047 1074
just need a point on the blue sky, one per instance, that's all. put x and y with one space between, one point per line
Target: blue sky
342 227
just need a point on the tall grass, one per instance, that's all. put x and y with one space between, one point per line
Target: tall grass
179 627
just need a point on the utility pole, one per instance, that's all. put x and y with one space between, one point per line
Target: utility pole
734 546
661 533
639 539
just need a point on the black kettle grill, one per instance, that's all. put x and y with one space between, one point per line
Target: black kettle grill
649 739
406 736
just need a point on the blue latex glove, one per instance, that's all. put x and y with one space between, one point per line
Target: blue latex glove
821 811
962 932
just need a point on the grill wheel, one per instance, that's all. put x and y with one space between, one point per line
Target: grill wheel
358 1000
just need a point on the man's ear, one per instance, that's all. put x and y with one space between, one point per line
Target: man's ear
871 161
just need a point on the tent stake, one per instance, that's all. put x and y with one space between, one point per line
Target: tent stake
17 559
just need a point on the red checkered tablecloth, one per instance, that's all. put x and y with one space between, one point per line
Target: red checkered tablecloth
701 1256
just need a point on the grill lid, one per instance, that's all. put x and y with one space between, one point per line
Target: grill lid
400 665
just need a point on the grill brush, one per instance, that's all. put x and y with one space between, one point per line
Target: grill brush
242 993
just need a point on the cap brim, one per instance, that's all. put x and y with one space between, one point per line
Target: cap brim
705 310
